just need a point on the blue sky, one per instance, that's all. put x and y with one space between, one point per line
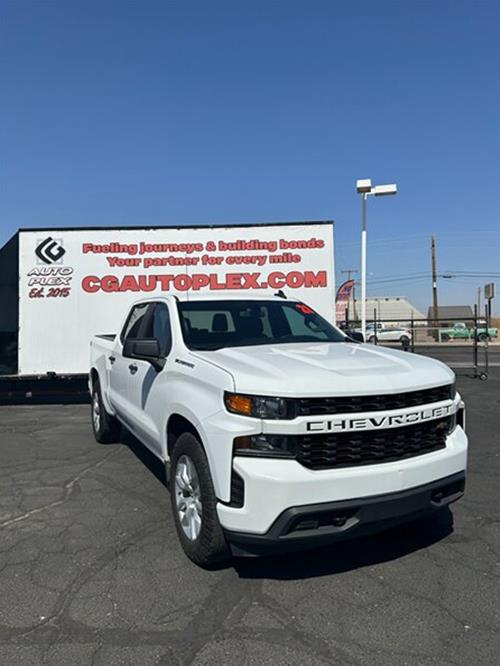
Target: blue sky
230 111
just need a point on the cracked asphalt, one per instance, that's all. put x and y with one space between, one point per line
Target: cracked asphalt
91 571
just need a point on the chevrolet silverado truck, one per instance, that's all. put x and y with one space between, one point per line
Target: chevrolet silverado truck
460 331
277 430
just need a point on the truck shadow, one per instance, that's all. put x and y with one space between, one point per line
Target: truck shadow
350 555
327 560
148 459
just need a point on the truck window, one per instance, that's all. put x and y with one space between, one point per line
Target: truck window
303 326
213 325
209 320
135 320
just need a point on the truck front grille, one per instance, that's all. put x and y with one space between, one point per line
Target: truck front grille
373 403
352 449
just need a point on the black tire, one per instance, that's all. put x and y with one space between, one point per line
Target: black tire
482 337
404 340
209 546
372 339
445 337
106 428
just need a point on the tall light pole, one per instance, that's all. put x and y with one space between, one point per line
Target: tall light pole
365 188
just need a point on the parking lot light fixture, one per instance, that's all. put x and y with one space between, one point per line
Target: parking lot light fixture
384 190
364 187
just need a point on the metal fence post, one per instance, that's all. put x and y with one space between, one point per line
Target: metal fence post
412 329
484 374
476 374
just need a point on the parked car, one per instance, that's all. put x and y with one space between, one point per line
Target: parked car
277 430
460 331
379 331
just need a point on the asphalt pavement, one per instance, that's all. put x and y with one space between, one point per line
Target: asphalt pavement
91 571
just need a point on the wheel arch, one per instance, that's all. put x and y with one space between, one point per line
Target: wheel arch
95 378
178 424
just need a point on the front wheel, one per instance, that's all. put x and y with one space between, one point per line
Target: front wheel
194 504
482 337
372 339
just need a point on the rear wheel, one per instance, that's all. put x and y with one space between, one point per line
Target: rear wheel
445 337
194 503
106 428
372 339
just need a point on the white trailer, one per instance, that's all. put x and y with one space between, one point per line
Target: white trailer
59 287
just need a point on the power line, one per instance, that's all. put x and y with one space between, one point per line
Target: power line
448 274
478 272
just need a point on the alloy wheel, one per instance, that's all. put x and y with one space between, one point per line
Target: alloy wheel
96 412
188 497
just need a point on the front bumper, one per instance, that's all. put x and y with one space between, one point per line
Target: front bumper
272 486
320 524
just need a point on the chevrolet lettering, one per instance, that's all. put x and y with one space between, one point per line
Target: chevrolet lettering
277 431
388 421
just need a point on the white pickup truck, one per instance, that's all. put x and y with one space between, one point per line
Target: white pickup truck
277 430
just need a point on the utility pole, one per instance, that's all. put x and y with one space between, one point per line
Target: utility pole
479 300
434 279
434 285
348 271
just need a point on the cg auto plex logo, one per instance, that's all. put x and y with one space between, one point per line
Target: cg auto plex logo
50 251
50 272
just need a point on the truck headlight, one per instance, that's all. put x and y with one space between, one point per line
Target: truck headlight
458 418
460 415
260 407
275 446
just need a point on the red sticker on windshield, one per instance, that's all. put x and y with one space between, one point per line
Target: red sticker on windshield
305 309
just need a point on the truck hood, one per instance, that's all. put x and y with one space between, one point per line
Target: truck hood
336 369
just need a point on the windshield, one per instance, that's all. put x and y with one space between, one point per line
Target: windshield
212 325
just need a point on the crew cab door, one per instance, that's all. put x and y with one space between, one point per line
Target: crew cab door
149 385
121 368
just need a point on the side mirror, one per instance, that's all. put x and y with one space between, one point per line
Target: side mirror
356 335
144 349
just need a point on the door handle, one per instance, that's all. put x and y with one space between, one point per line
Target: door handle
133 368
112 359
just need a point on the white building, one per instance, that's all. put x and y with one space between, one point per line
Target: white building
395 309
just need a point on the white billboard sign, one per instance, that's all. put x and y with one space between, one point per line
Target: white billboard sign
76 283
